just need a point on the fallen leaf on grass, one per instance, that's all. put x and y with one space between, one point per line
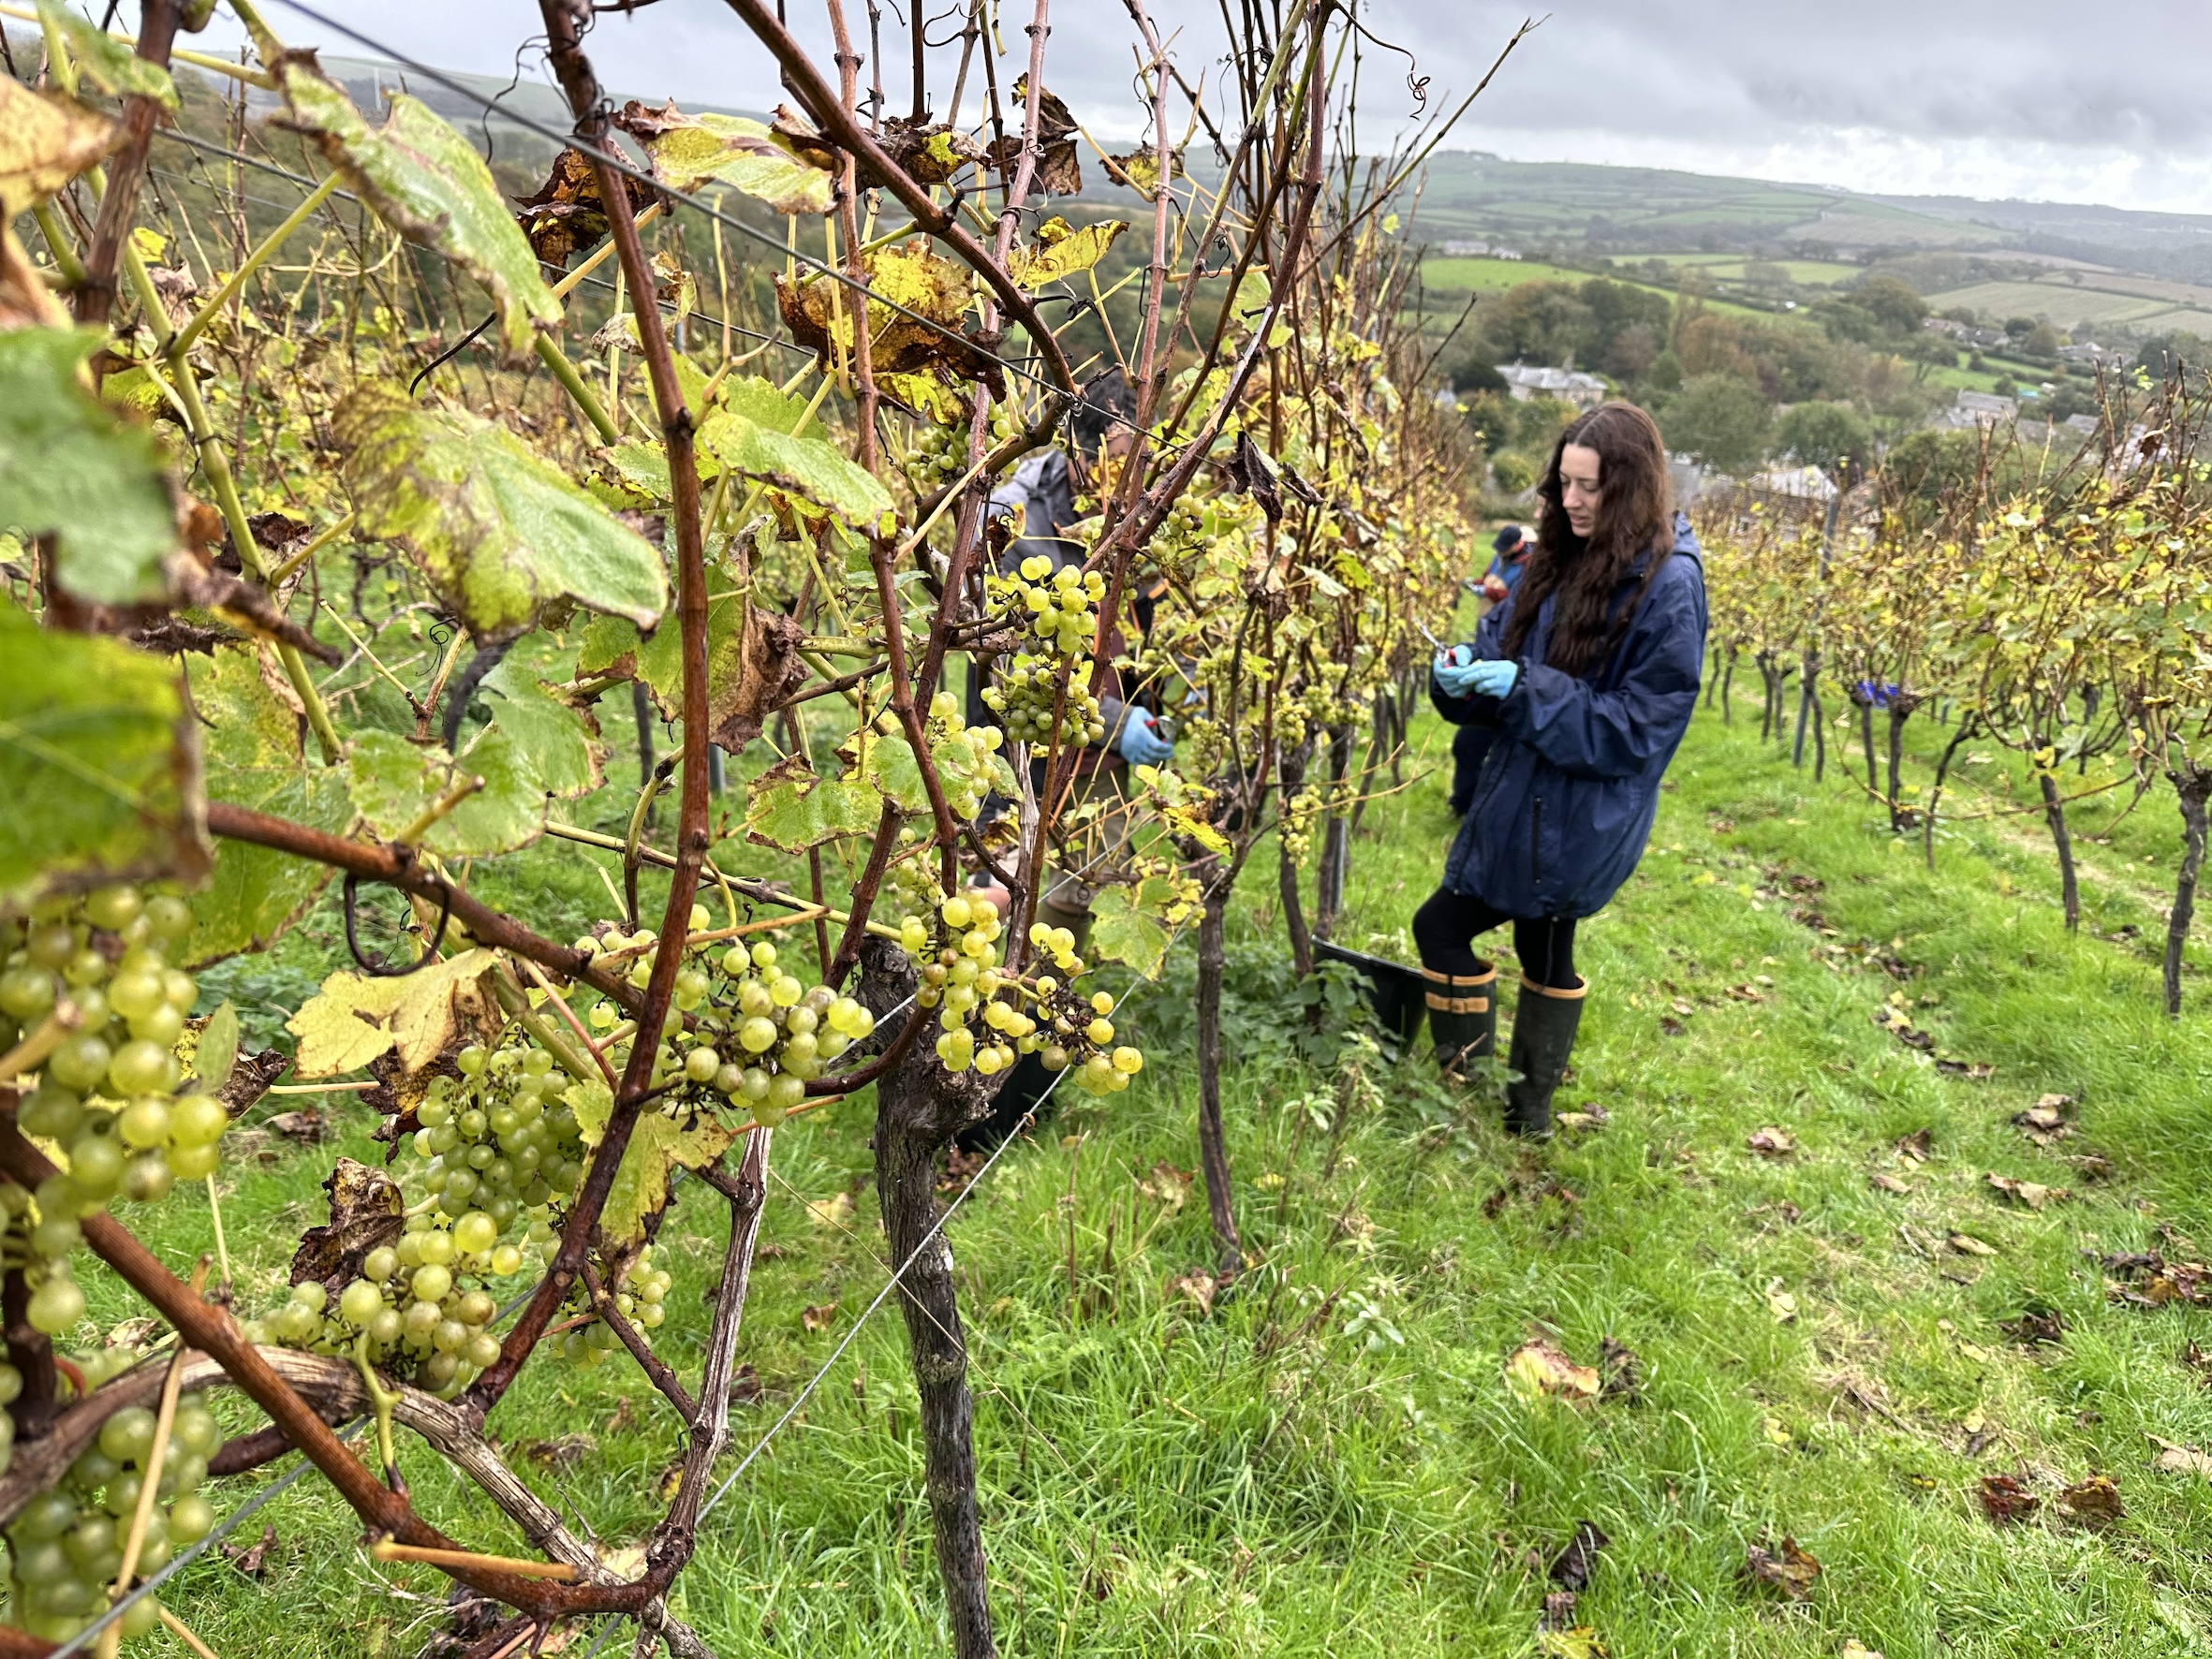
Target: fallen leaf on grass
1616 1364
2181 1460
744 1386
1780 1303
1166 1184
1558 1612
1919 1145
1777 1432
2035 1325
252 1558
623 1418
2004 1499
624 1561
1670 1026
1575 1123
308 1128
1200 1286
1536 1368
834 1211
1973 1071
818 1318
2198 1361
2046 1121
1792 1570
2095 1502
568 1450
1579 1643
1572 1566
1884 1181
1771 1143
1855 1649
960 1169
1966 1244
2030 1194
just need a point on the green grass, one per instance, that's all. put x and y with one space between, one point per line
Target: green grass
1330 1461
2066 303
1469 274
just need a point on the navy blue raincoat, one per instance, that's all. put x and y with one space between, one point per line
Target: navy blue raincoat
1568 792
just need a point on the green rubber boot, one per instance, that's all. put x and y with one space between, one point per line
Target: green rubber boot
1543 1037
1462 1016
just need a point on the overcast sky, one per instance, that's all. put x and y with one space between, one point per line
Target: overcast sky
2041 99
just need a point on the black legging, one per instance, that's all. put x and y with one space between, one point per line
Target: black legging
1445 929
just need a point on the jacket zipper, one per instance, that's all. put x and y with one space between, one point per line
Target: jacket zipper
1536 842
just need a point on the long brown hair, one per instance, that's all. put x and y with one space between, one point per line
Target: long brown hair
1635 515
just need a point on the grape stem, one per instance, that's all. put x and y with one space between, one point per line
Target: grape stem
52 1033
383 1400
694 940
517 1003
185 1636
569 1014
656 1370
150 1481
385 1550
757 892
214 1209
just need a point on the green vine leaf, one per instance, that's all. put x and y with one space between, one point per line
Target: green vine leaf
789 808
97 762
689 151
71 467
750 431
111 65
1125 929
426 182
216 1052
500 531
560 744
393 783
253 758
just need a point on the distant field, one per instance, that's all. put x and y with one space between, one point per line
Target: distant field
1453 274
1729 267
2066 305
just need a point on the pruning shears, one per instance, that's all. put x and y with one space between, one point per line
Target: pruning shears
1442 649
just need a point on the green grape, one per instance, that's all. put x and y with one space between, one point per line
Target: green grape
58 1303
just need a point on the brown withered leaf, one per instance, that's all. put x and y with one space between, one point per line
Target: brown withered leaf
770 669
810 145
2028 1194
2036 1324
366 1211
1973 1071
744 1386
1617 1364
2005 1499
308 1126
1792 1570
820 314
1919 1145
1884 1181
2094 1503
932 152
1200 1286
252 1558
1771 1143
2181 1460
819 1317
566 216
2198 1361
1573 1567
1166 1185
251 1075
1558 1612
564 1453
1966 1244
1059 170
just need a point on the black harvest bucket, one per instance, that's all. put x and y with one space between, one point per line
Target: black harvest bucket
1392 990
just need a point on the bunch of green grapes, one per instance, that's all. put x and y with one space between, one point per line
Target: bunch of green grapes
1066 1029
1061 606
499 1145
1297 830
38 1239
957 956
107 1095
1024 698
939 455
911 880
1184 527
640 1297
417 1322
963 783
65 1547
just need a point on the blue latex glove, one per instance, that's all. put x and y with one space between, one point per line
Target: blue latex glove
1141 744
1460 676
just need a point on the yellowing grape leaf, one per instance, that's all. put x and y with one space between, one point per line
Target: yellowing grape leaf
689 151
1539 1369
45 141
426 182
99 765
750 429
72 466
819 311
1125 928
658 1146
217 1050
500 531
107 62
1061 252
1140 170
357 1017
789 808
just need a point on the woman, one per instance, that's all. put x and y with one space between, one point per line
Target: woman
1588 672
1470 743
